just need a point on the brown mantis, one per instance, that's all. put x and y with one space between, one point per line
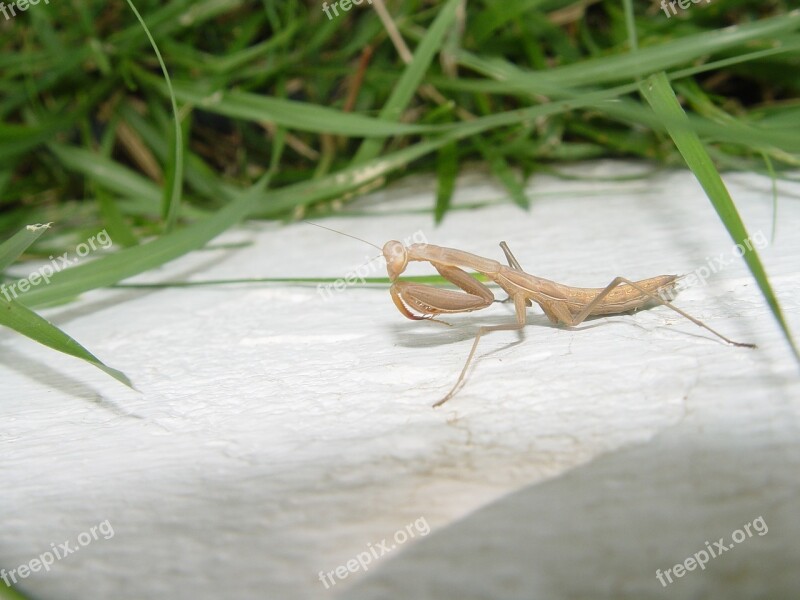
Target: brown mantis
561 303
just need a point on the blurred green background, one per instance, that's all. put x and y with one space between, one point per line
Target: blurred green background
87 138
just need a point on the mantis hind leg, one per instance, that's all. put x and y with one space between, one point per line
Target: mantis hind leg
617 281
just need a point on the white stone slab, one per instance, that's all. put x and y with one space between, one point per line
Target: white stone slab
277 434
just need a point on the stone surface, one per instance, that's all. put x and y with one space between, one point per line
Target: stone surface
278 431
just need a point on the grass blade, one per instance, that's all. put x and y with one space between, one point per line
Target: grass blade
446 171
12 593
23 320
172 192
292 114
502 171
412 76
132 261
12 248
659 94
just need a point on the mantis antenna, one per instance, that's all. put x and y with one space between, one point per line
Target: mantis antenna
344 234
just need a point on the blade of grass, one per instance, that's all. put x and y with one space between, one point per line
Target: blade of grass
172 192
293 114
446 171
105 171
118 229
12 248
774 179
132 261
116 177
627 66
503 172
432 279
412 76
613 103
23 320
658 93
13 593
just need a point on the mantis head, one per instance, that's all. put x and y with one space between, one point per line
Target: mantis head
396 258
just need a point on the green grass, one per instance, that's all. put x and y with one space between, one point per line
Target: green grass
273 111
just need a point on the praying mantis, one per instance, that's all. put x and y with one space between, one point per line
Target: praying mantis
562 304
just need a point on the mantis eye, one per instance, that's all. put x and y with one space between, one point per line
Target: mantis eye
396 258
